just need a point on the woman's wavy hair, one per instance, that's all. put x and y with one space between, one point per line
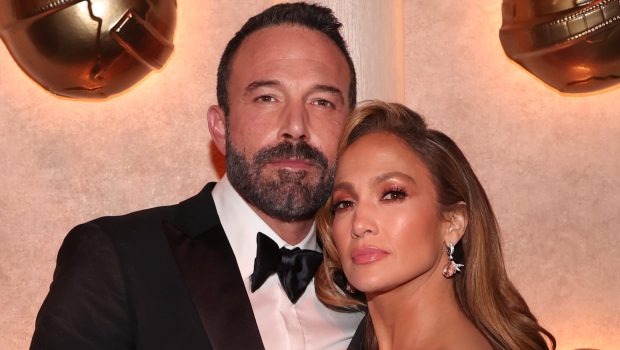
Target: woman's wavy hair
483 290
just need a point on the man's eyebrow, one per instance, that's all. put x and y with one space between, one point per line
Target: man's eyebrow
329 88
260 83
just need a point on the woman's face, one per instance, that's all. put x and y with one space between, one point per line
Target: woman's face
387 227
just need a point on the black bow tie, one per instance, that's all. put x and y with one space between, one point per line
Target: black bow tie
295 268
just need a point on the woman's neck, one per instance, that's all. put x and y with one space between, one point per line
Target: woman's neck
416 315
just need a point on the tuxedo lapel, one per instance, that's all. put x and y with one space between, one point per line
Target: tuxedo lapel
208 266
358 341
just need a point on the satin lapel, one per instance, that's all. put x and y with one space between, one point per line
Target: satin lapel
208 266
357 343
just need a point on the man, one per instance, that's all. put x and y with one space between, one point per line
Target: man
185 276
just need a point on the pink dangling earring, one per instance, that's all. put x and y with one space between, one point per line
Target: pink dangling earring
451 267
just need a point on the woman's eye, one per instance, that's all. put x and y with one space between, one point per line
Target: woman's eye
342 205
394 195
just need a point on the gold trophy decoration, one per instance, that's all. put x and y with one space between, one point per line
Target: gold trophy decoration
88 48
572 45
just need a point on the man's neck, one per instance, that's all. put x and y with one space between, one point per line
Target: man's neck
291 232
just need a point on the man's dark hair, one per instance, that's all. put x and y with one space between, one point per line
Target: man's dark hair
311 16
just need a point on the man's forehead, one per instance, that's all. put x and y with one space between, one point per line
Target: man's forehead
281 49
288 41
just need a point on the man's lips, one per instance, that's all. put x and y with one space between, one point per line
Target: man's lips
293 163
367 255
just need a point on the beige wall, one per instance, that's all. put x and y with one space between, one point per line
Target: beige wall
549 162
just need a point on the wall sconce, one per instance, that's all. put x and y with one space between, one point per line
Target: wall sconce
88 48
572 45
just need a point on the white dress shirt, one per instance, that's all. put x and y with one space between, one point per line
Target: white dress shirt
306 325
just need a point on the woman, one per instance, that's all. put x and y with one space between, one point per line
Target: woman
414 233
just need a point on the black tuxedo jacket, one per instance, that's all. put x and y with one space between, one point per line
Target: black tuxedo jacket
161 278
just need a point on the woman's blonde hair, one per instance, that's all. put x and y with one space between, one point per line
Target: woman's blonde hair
483 290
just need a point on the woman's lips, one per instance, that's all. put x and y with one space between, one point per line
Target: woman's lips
367 255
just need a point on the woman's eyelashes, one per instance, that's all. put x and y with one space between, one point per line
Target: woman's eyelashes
394 193
341 205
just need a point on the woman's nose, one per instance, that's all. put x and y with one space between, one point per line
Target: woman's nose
363 222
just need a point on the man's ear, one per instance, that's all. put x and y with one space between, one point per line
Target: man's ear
217 127
456 223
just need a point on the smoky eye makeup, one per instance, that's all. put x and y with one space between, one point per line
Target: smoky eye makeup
394 192
341 205
341 199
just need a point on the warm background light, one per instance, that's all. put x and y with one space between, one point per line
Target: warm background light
549 162
88 49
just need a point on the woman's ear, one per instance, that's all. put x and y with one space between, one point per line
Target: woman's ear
217 127
456 223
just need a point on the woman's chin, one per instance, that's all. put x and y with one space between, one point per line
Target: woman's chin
372 287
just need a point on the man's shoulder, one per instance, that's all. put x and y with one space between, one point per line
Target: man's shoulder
115 271
150 218
139 217
143 232
131 222
135 228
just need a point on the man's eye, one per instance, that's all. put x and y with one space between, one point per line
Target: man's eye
265 98
324 103
394 195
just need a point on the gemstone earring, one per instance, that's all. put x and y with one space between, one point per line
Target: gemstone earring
451 267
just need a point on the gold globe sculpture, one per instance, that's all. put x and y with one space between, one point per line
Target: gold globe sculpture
572 45
88 48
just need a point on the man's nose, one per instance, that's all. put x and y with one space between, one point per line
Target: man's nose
294 125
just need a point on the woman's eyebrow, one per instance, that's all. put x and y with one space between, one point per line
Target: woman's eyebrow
343 186
390 175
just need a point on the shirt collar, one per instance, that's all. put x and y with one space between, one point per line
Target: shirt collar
241 225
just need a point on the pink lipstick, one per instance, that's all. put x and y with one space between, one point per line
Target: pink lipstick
367 255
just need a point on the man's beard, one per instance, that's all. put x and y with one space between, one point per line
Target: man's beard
288 195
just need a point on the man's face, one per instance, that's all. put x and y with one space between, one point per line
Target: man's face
288 97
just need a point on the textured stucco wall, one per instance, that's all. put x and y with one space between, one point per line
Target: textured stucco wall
549 162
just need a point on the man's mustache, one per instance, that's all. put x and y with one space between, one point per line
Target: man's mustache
289 150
